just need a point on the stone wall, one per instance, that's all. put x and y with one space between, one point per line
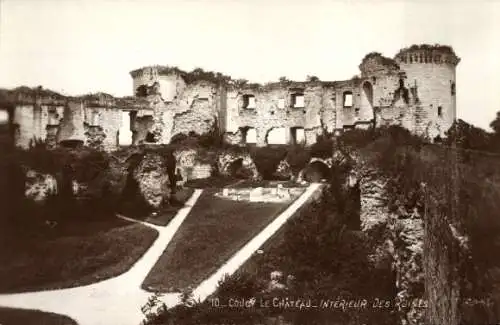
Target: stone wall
444 256
71 126
102 125
189 165
397 240
274 109
196 109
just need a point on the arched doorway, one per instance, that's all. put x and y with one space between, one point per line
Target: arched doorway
316 172
368 92
278 135
237 170
125 134
367 101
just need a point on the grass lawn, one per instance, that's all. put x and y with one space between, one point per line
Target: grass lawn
272 247
136 210
168 213
10 316
214 230
71 255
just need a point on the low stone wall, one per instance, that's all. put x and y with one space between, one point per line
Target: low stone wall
261 194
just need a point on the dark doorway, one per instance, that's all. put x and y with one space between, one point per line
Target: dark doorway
316 172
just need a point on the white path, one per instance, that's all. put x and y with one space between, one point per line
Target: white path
114 301
118 300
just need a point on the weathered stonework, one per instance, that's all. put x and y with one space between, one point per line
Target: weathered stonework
227 159
151 176
39 186
190 167
415 90
398 240
284 171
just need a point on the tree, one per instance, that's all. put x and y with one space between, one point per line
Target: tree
495 137
467 136
241 82
284 80
312 79
495 124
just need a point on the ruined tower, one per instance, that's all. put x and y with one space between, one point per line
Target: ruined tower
430 74
166 80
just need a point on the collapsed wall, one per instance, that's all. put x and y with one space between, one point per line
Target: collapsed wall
42 115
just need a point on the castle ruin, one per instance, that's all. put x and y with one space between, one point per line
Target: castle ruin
416 90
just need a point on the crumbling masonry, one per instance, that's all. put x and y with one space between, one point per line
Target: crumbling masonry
416 90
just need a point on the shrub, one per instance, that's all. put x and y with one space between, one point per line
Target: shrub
356 138
323 148
178 139
86 166
267 159
240 284
298 157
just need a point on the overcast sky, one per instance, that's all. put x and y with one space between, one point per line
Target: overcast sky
81 46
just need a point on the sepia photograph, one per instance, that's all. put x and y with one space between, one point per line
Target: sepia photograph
249 162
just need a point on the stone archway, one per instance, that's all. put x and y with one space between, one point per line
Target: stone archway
235 168
248 135
277 135
367 101
8 125
368 92
237 164
316 171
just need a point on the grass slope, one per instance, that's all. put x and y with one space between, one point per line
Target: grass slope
213 231
75 256
166 214
10 316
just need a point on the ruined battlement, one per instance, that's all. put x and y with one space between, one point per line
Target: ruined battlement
30 96
435 54
156 70
46 97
